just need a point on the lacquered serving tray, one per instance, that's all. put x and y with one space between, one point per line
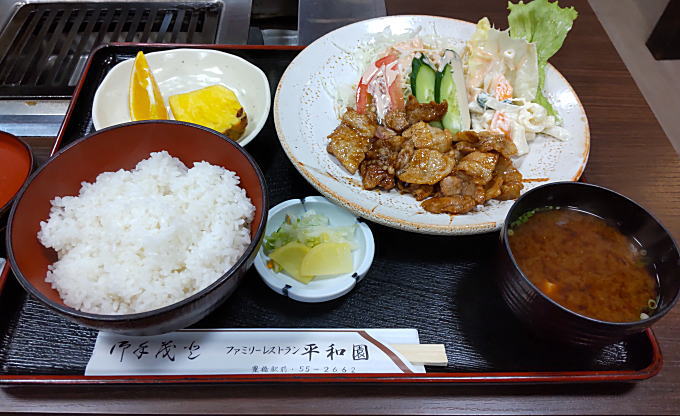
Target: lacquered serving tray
442 286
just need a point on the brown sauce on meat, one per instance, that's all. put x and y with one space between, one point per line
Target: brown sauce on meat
584 264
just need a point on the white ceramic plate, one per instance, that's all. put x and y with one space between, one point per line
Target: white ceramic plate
182 70
304 113
322 288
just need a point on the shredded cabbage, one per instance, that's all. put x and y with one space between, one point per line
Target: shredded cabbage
409 43
311 229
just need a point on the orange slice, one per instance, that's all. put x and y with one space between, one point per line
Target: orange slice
146 101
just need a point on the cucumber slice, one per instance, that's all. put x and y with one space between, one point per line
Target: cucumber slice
451 88
438 86
415 67
422 81
447 91
439 93
447 87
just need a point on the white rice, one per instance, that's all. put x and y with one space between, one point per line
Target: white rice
138 240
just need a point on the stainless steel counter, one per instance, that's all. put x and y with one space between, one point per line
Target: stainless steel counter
42 116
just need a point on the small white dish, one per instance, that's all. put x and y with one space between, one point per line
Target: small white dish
322 288
182 70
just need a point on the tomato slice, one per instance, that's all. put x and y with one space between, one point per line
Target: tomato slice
385 60
362 98
396 94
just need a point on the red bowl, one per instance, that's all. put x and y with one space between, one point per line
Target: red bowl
554 321
16 163
122 147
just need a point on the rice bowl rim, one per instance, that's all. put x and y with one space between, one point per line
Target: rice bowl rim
250 249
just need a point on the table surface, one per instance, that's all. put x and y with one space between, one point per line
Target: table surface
629 153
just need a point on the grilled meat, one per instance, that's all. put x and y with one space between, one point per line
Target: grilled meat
461 184
384 132
479 166
485 141
425 136
456 204
450 174
396 120
351 139
465 147
427 167
419 192
379 167
348 146
498 142
364 124
376 174
512 179
427 112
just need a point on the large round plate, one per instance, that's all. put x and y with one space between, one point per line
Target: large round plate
305 113
182 70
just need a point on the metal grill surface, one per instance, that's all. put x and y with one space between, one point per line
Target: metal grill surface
44 47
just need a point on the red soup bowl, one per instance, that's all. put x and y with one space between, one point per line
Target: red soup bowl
16 161
122 147
554 321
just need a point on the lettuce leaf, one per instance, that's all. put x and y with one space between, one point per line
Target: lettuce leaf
546 24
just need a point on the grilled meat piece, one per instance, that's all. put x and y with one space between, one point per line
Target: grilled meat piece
386 148
465 147
351 139
364 124
375 174
486 141
479 166
385 133
405 155
396 120
512 185
493 188
462 185
469 136
426 166
456 204
425 136
427 112
499 142
379 167
419 192
348 146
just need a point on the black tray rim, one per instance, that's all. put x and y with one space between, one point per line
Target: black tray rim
552 377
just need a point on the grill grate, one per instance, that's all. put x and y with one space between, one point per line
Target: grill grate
44 47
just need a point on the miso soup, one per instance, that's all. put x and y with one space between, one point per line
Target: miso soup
584 264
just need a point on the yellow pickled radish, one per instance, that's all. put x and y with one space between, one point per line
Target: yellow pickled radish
327 258
145 99
289 257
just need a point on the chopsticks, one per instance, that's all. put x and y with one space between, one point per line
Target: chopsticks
423 354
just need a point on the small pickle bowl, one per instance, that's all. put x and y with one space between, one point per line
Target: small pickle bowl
322 288
554 321
108 150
